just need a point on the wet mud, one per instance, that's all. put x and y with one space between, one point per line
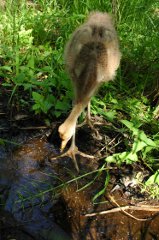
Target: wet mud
44 199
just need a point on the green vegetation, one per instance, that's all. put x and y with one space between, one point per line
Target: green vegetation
33 36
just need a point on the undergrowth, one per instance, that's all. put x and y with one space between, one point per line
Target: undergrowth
33 36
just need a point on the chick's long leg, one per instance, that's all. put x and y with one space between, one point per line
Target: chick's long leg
73 151
90 122
67 130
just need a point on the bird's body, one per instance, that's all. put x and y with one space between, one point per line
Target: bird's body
92 57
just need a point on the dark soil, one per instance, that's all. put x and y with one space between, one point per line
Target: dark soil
43 199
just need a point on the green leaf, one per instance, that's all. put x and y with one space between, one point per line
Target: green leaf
50 98
7 68
140 135
42 103
153 179
110 115
132 157
138 146
146 151
27 86
111 159
31 62
61 105
36 108
6 84
128 124
102 191
147 140
127 157
57 113
37 97
46 69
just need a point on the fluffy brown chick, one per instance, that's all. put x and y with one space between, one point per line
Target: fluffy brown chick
92 57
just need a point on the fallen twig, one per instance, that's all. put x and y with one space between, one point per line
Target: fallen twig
33 128
147 208
118 209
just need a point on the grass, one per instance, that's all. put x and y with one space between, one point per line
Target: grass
33 36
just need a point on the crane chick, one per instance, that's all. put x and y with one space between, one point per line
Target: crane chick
92 57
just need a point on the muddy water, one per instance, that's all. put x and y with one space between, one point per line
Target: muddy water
33 206
29 198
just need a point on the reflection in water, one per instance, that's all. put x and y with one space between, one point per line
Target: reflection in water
30 196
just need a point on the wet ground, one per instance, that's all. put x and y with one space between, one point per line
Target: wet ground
44 199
